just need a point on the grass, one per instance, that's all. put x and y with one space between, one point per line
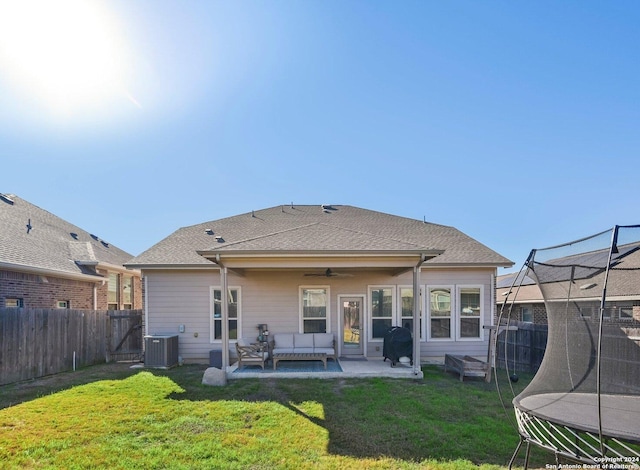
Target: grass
114 417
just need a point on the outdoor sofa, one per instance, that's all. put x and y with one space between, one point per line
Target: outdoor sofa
300 343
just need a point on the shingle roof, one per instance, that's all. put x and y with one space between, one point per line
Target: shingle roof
31 237
586 269
316 228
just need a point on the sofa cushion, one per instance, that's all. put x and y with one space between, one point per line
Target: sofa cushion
283 340
327 351
304 350
282 350
301 340
323 340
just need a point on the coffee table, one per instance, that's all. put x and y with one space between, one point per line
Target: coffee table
299 357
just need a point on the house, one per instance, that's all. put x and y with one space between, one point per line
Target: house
47 262
525 302
320 268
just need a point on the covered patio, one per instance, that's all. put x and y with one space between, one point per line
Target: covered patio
348 368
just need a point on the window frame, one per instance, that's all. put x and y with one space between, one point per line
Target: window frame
528 309
18 300
452 309
117 282
301 317
459 315
213 320
625 318
63 304
401 317
127 286
393 317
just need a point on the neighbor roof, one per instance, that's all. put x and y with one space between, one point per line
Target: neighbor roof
318 229
587 273
32 239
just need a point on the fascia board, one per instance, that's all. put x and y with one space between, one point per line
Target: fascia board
315 253
51 272
109 267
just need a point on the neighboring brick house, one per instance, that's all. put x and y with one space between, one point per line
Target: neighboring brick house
527 306
526 303
46 262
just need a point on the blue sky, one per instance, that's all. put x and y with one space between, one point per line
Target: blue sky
515 122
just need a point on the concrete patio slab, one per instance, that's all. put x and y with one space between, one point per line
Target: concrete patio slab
370 367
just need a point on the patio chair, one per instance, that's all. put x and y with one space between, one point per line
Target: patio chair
250 353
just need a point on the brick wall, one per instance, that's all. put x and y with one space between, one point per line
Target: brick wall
39 291
103 292
45 291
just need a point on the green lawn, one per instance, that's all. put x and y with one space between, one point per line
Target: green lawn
167 419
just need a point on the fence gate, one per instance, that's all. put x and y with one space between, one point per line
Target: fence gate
124 336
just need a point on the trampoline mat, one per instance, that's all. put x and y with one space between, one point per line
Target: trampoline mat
620 413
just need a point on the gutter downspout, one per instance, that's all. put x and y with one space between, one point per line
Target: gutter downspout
224 310
416 315
146 305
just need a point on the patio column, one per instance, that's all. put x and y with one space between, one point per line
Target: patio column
416 316
224 310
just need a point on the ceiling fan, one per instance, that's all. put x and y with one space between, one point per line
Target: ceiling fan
329 273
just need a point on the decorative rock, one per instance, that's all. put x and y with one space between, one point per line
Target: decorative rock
215 377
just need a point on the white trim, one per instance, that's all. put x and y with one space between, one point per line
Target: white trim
458 313
363 321
51 272
212 330
300 306
146 305
174 267
370 319
110 267
399 309
427 310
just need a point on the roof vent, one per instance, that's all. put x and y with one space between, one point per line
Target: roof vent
219 239
105 244
209 231
74 235
6 198
95 237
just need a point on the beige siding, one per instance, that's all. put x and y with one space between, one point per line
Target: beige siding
272 297
181 298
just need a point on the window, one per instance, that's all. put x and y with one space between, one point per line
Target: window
381 299
527 314
626 313
440 312
469 305
233 297
406 309
127 292
314 309
63 304
15 303
112 296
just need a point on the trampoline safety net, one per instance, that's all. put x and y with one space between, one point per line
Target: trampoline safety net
584 401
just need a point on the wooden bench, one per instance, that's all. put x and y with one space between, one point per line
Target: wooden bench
466 366
299 357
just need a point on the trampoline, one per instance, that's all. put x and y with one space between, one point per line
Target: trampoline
583 404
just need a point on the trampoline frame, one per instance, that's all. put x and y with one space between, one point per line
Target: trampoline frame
587 446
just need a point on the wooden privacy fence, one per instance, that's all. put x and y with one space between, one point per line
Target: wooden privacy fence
524 347
39 342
